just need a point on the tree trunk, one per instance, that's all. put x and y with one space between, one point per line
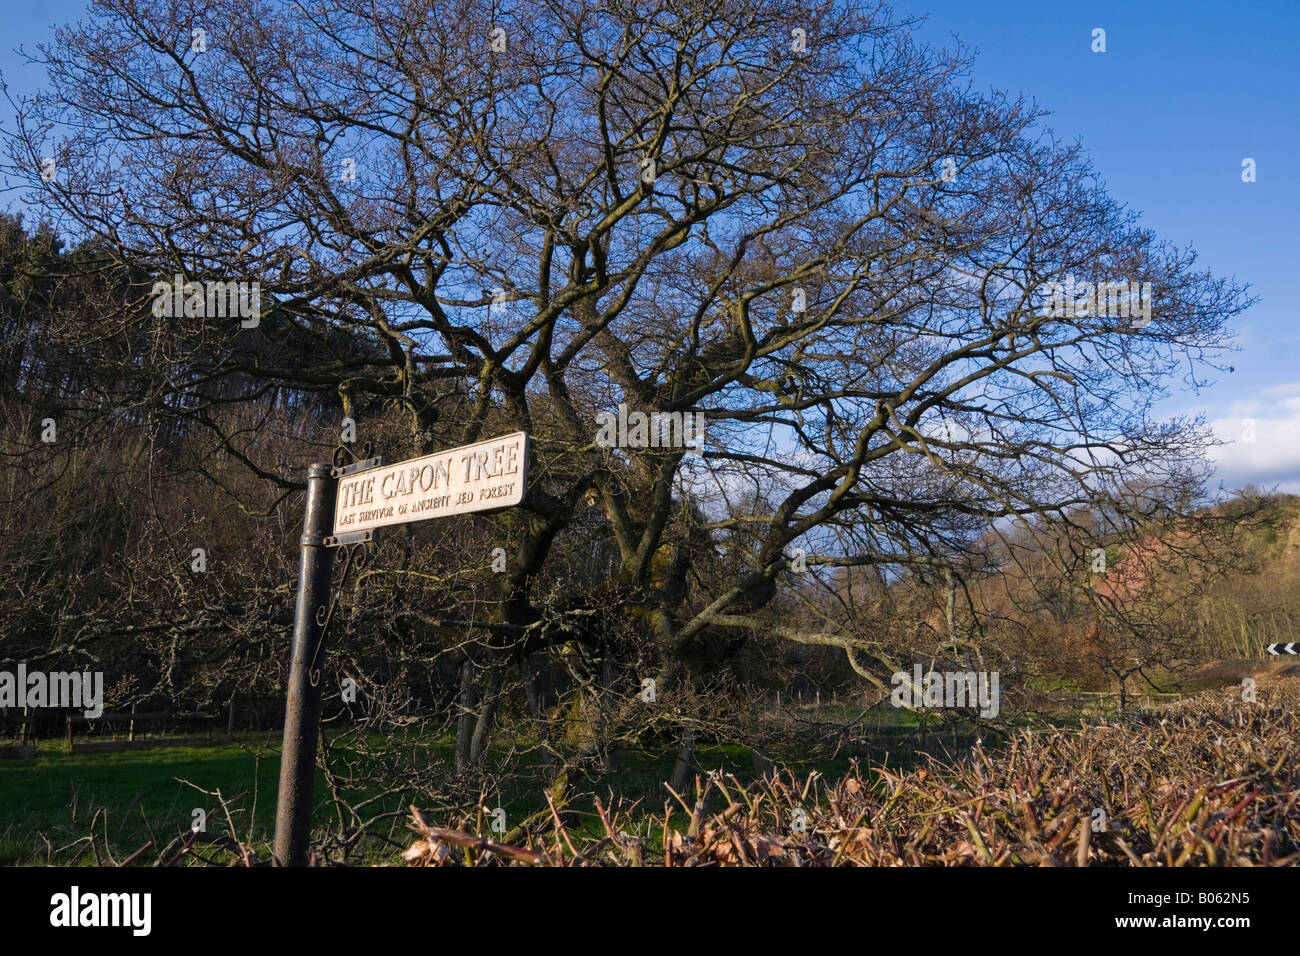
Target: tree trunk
465 715
534 701
685 756
487 711
608 710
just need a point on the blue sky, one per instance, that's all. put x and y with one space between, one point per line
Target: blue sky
1184 92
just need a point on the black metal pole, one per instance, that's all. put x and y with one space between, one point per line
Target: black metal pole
302 709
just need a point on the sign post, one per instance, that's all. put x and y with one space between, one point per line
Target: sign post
345 506
302 708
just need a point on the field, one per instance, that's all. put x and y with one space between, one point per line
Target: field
50 804
1208 780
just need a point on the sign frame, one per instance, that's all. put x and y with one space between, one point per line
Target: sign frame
482 476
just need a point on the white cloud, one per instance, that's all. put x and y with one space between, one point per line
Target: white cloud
1273 457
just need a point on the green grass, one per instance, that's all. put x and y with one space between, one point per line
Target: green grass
48 802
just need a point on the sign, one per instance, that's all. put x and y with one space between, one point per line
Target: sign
479 477
1292 648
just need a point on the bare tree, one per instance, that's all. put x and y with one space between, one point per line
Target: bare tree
791 218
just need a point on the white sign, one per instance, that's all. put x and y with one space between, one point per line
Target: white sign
488 474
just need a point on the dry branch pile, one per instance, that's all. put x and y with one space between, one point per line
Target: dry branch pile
1210 781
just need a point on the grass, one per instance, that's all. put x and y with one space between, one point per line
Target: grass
49 803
